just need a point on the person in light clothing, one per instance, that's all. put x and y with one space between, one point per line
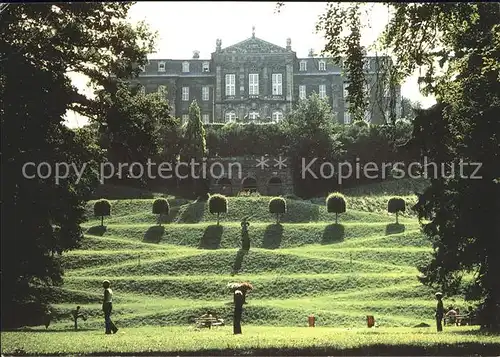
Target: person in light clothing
107 307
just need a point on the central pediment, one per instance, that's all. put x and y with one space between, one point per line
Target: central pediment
254 45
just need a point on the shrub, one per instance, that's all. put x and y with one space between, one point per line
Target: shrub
217 204
102 208
160 206
396 205
277 206
336 203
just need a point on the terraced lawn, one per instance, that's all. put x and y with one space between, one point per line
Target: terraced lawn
165 276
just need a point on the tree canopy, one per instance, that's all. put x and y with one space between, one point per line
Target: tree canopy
40 45
456 48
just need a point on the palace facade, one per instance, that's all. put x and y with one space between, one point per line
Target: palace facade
257 81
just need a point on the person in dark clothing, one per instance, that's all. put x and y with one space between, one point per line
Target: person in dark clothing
245 239
238 311
107 307
439 312
471 316
77 314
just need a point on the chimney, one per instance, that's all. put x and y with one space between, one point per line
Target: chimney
289 44
196 54
218 44
311 53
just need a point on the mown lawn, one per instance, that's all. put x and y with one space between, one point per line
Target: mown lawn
256 340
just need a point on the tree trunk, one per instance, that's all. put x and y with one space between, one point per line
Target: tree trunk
102 221
277 218
218 218
336 218
397 221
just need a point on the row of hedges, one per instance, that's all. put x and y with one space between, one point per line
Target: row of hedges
218 204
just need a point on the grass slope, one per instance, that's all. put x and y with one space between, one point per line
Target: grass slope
364 265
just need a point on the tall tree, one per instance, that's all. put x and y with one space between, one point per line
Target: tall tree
135 123
194 149
456 47
195 145
40 44
310 136
347 52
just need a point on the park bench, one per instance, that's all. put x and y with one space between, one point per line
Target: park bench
458 320
209 322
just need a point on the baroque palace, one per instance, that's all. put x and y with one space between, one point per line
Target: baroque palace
257 81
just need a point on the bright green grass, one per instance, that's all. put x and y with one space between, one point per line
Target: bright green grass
257 340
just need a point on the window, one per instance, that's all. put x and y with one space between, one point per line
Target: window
204 93
162 89
161 66
206 118
322 65
366 64
322 91
277 116
346 92
230 84
347 117
230 117
368 116
185 67
345 65
303 66
185 93
142 90
368 89
253 115
206 67
302 92
277 84
185 118
253 84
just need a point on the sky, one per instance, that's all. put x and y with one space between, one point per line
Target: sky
187 26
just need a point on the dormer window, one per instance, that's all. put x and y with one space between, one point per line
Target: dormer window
185 67
161 66
322 65
303 66
206 67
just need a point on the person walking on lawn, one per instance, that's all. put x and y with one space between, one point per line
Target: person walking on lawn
107 307
439 312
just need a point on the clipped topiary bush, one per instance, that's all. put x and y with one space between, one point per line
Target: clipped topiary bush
102 208
160 206
396 205
277 206
217 204
336 203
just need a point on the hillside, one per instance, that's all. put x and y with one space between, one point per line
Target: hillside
168 274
